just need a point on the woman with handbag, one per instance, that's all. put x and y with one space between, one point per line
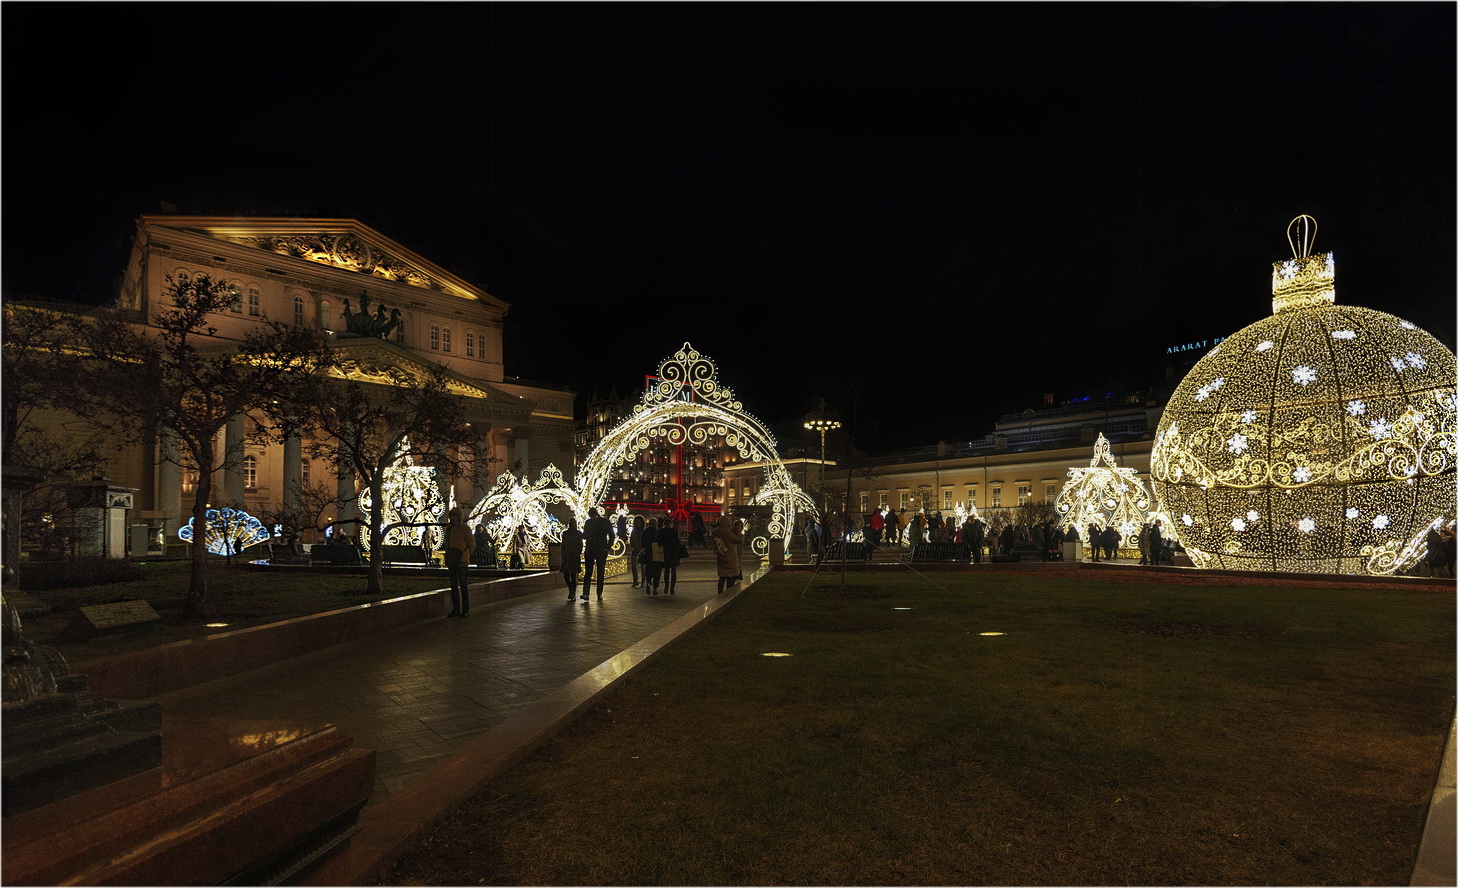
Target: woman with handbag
727 546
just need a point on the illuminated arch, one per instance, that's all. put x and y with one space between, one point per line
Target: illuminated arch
687 405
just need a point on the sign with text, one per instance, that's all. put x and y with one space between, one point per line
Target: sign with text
99 619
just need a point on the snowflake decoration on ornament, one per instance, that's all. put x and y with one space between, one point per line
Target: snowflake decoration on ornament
1303 374
1265 345
1306 525
1238 443
1248 417
1344 334
1237 524
1289 268
1253 515
1356 408
1302 475
1397 363
1416 360
1352 513
1380 429
1381 521
1406 325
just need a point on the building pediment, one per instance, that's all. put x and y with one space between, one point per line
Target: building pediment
339 243
367 359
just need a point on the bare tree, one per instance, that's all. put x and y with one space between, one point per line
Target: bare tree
380 416
195 383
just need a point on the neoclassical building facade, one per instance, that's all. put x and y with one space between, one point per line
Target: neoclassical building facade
380 305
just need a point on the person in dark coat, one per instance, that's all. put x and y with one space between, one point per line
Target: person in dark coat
651 569
1007 540
484 554
597 541
973 534
1111 543
571 557
1095 541
893 526
635 550
673 553
1156 543
696 535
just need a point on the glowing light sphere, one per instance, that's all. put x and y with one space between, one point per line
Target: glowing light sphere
1320 439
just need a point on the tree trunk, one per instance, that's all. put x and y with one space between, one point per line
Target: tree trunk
197 587
376 578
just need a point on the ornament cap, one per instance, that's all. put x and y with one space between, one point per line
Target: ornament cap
1305 280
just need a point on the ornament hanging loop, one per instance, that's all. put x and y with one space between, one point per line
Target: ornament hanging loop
1303 227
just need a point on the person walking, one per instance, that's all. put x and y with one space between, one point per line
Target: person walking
622 529
635 550
521 548
458 543
673 554
727 543
571 557
597 539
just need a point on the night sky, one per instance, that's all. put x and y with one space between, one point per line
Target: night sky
926 214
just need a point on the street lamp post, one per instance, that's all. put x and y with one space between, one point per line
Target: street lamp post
822 426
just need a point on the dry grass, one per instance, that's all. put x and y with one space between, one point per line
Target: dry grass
1118 733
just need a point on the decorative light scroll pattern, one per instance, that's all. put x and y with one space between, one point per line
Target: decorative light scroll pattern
412 496
1330 447
229 531
687 405
1108 495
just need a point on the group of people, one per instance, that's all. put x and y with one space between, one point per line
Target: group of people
655 550
1440 553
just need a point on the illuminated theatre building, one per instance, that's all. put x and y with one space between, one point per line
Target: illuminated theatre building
328 274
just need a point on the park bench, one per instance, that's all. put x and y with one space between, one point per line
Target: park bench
943 552
839 550
406 555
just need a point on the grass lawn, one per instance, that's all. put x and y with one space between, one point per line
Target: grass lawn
240 596
1117 732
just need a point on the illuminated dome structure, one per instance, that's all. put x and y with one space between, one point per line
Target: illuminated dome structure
1320 439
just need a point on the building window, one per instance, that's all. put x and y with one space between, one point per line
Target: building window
235 298
324 315
884 498
1050 492
1025 493
905 498
298 311
997 497
434 338
865 502
304 472
946 499
971 496
470 344
189 480
255 302
445 339
250 472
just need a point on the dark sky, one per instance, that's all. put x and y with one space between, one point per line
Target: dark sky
948 208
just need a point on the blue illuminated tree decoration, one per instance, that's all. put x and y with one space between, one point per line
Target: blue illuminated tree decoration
229 532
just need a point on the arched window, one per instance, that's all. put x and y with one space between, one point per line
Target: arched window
324 315
470 344
255 302
434 338
445 339
298 311
250 472
235 298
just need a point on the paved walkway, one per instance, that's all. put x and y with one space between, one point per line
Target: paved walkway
419 694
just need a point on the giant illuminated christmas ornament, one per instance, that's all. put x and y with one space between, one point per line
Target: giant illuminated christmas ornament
1105 494
1320 439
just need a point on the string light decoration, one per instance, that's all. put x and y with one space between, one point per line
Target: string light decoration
687 405
1320 439
1106 494
412 496
229 531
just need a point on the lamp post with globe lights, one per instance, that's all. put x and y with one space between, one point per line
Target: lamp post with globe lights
822 426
